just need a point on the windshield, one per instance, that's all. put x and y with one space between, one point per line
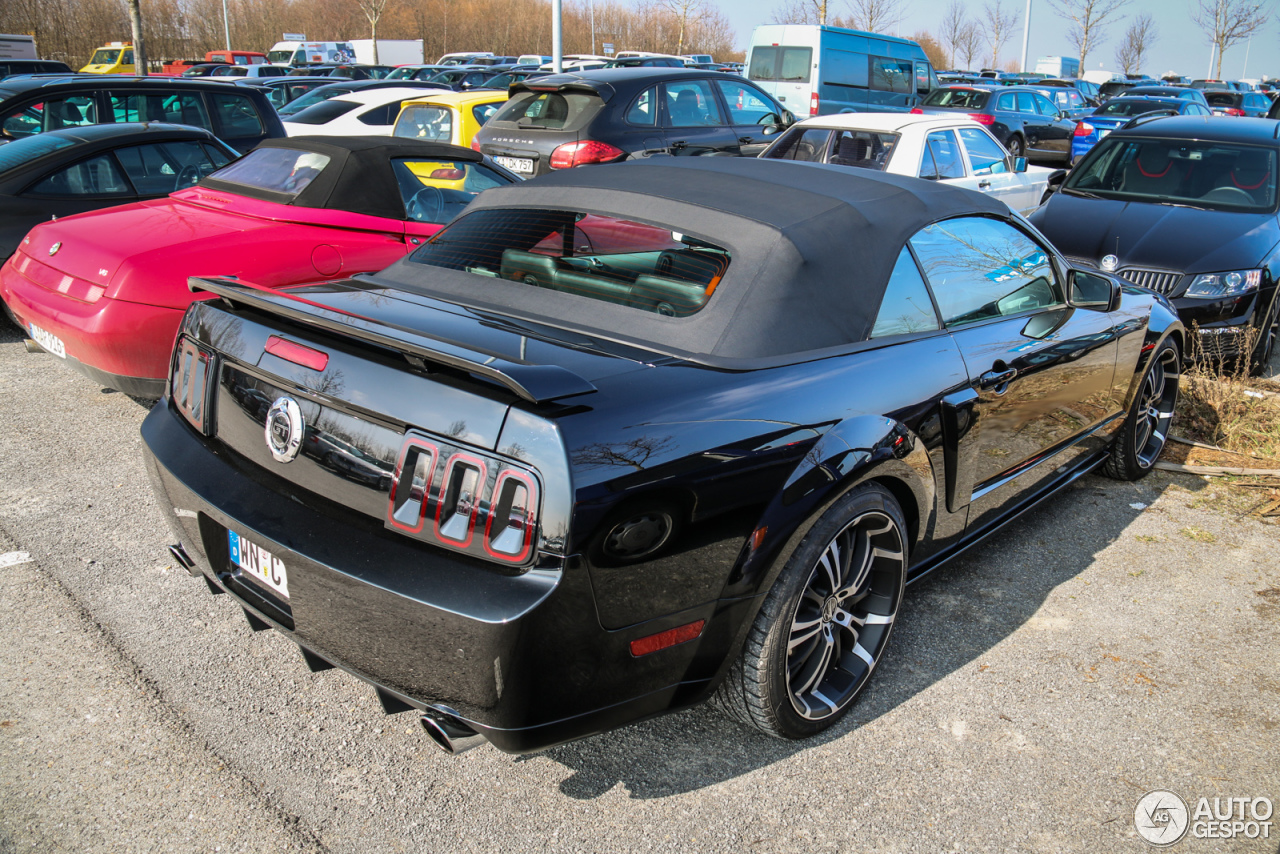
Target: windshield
279 170
1133 106
1210 175
105 57
424 121
965 99
603 258
279 56
314 97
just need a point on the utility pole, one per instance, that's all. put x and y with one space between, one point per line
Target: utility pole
1212 50
557 50
1026 35
226 25
1244 72
593 27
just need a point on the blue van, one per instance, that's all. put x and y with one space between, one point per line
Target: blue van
816 71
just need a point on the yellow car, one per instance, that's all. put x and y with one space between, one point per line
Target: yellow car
111 58
453 117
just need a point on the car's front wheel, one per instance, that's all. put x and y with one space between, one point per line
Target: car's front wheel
1267 339
1145 431
1015 145
825 624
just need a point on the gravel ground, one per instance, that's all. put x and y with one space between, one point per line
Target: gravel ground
1034 691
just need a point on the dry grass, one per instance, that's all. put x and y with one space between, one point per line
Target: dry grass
1221 405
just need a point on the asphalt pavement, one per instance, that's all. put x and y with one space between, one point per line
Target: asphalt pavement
1121 638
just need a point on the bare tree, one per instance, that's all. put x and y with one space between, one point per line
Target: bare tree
1088 22
1138 39
1229 22
373 10
1000 23
970 43
801 12
875 16
682 10
139 49
932 48
951 30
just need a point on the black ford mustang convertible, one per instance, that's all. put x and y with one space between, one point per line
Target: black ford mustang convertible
654 433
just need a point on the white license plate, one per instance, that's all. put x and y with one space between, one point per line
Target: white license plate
49 341
515 164
258 563
1103 132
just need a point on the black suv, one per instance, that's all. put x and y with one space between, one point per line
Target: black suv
1027 122
14 67
239 116
603 116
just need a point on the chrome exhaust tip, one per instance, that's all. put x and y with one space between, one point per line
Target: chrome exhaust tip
32 346
179 554
448 733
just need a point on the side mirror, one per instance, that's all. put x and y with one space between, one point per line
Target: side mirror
770 130
1017 164
1091 291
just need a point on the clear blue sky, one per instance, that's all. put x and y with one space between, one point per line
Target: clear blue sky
1181 47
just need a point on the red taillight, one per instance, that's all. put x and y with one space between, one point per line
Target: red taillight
916 111
671 637
584 153
1083 129
511 539
983 118
459 500
411 485
475 145
813 103
454 174
190 383
316 360
1234 111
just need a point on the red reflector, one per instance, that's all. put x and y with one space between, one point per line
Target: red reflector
1083 128
671 637
916 111
584 153
316 360
983 118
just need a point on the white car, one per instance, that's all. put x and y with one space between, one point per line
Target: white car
364 112
957 151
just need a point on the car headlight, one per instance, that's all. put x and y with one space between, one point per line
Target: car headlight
1223 285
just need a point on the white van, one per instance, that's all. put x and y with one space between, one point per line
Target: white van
309 53
815 70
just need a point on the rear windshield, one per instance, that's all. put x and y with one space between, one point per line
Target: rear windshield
781 64
278 170
1209 175
966 99
324 93
642 266
1222 99
550 110
1133 107
1108 90
323 112
425 121
22 151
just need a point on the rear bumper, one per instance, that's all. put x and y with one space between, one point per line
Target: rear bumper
122 345
520 658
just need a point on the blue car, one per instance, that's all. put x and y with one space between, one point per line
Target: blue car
1119 111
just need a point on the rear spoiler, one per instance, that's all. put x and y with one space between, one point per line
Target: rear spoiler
534 383
565 82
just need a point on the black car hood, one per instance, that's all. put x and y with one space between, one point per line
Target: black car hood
1141 234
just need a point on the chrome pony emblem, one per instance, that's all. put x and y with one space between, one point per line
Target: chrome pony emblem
284 429
53 250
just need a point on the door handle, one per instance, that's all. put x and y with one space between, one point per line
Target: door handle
999 375
746 140
984 185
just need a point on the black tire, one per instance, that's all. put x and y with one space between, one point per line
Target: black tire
1267 341
1145 430
820 634
1016 146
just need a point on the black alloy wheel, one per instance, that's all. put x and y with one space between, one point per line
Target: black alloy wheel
1015 146
1146 429
826 622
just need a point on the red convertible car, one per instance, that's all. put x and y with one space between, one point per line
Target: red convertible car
105 290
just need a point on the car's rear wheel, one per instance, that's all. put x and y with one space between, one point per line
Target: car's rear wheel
1267 339
825 624
1146 429
1015 145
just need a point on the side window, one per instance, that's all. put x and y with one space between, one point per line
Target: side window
864 149
808 144
892 75
1008 103
692 104
97 176
184 108
218 157
906 306
985 154
924 79
483 112
53 114
644 109
748 105
128 58
1045 107
164 167
941 157
237 116
982 268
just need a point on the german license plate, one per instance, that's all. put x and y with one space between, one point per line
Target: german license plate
258 563
522 165
49 341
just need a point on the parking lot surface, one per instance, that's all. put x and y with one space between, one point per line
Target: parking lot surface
1120 638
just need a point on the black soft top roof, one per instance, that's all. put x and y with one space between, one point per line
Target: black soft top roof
359 176
812 247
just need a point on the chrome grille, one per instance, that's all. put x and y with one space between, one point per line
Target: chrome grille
1160 281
